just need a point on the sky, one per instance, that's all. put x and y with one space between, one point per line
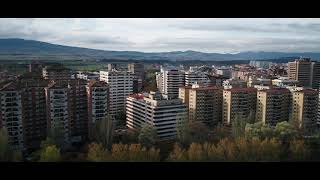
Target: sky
222 35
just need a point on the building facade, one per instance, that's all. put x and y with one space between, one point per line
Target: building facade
67 109
305 71
169 81
98 101
11 115
238 103
193 77
120 87
138 70
56 72
304 109
205 105
273 106
156 110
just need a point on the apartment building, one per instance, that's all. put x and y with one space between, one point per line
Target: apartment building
193 77
98 101
305 108
120 87
285 81
305 71
88 75
273 106
318 119
138 70
259 81
11 114
238 103
56 72
67 109
157 110
205 105
184 94
224 71
33 101
169 80
234 83
23 108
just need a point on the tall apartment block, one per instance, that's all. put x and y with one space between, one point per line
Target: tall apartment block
67 108
318 119
205 105
193 77
98 100
184 94
157 110
169 81
23 112
35 66
33 101
273 106
138 70
238 102
305 108
120 86
11 114
56 72
305 71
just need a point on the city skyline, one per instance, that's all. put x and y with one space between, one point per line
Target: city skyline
223 35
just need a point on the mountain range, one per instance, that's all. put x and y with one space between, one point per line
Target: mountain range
20 48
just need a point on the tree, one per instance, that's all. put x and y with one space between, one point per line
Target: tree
57 136
128 137
134 153
285 132
238 126
190 131
121 119
219 133
104 132
97 153
299 151
50 154
4 145
196 153
16 156
178 154
183 130
199 132
148 135
258 130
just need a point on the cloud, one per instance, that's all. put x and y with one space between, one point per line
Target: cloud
239 44
209 35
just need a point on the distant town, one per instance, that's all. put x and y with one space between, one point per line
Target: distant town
258 110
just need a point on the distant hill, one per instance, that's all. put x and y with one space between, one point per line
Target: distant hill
20 48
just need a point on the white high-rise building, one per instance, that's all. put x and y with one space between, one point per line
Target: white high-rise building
120 87
195 77
157 110
169 80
